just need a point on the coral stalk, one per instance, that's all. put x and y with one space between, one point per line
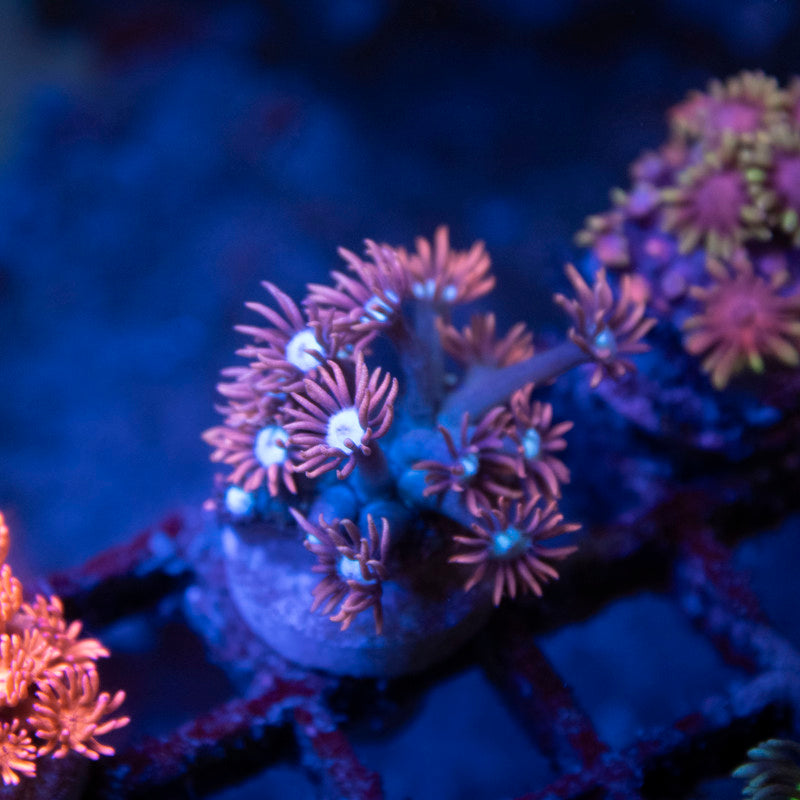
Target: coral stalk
485 387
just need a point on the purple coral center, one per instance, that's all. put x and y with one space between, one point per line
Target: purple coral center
787 180
744 311
736 116
717 201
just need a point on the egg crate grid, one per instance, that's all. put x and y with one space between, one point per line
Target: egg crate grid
682 544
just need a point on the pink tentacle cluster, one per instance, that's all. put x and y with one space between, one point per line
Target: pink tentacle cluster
479 464
444 276
604 326
505 547
478 342
333 423
371 299
353 565
538 438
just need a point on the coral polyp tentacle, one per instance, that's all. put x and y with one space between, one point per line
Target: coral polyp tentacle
538 439
70 713
254 443
283 354
504 547
353 565
478 465
711 208
445 277
606 327
739 106
478 342
371 300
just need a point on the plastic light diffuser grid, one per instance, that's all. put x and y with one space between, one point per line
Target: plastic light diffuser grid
683 542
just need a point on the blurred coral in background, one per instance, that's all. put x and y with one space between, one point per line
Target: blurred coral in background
710 228
712 224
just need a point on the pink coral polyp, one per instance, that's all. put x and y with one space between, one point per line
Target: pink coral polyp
333 423
505 547
743 319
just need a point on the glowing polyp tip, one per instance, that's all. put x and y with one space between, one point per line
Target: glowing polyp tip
605 341
378 309
470 465
532 443
508 543
238 501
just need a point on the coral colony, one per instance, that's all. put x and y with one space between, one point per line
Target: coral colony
711 224
379 473
51 698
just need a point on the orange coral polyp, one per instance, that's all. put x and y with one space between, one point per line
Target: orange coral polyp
43 656
70 712
24 659
17 753
10 594
47 616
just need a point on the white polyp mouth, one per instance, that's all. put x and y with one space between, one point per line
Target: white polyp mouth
297 350
470 465
266 447
532 443
350 570
344 425
424 290
238 501
378 309
508 543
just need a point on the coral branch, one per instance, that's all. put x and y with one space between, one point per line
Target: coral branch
485 387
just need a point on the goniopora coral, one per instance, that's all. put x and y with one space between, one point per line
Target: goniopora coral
373 470
712 215
49 686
